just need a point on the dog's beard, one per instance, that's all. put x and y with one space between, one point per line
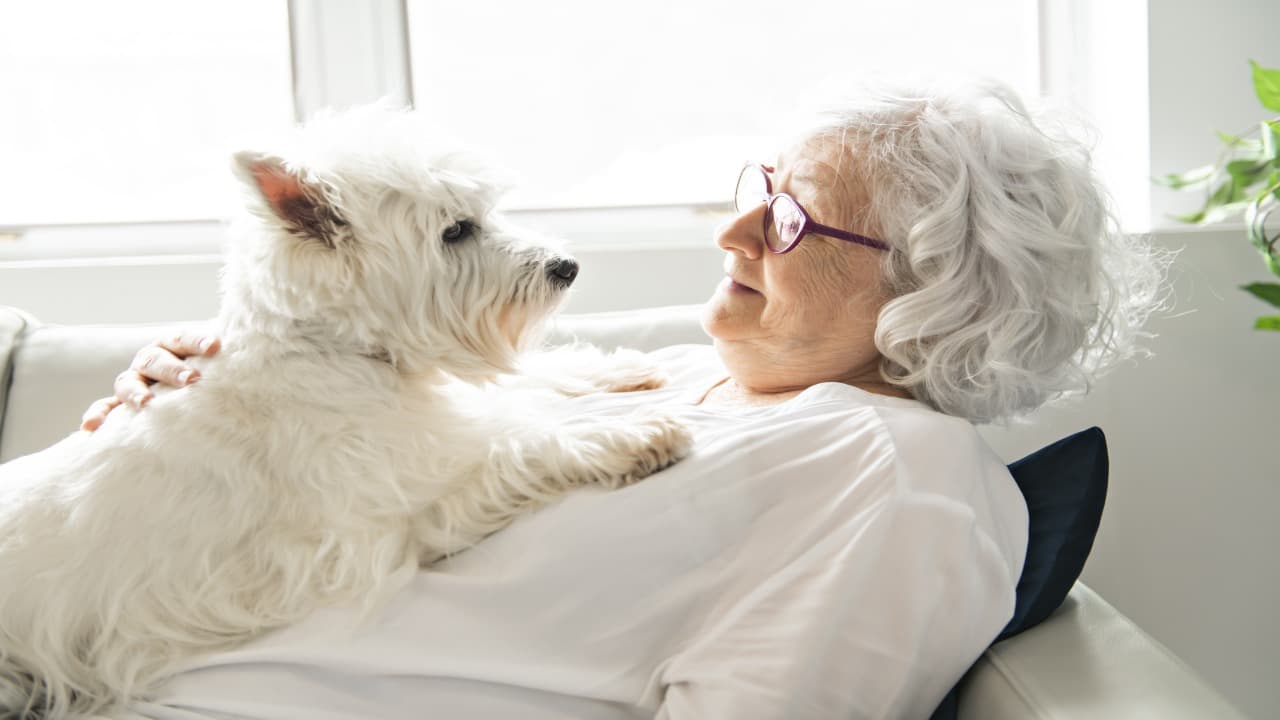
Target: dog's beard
517 326
524 330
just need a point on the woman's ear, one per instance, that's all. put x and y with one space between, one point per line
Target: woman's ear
301 206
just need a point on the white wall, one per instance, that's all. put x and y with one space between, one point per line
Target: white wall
1187 546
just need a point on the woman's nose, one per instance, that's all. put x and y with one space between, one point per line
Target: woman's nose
743 234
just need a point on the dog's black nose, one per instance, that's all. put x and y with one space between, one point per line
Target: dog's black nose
562 270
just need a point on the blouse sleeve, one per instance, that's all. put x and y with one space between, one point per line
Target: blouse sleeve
876 619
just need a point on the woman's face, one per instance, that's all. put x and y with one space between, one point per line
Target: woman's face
784 322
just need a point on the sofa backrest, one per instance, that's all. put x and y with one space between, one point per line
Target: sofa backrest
52 373
12 326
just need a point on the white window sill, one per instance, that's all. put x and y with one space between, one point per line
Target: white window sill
595 229
162 272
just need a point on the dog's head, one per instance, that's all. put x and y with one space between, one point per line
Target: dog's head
369 234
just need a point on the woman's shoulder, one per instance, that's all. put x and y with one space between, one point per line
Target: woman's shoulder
914 432
939 452
942 460
920 454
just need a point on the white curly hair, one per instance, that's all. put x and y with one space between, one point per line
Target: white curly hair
1012 284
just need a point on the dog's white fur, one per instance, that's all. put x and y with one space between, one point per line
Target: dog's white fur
348 432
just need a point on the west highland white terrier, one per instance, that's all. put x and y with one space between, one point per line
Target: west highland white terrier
349 432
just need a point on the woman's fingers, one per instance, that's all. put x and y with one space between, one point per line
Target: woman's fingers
133 388
97 413
160 364
186 344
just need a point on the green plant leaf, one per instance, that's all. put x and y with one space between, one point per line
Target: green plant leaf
1189 179
1266 85
1236 142
1262 192
1270 132
1228 139
1267 322
1218 213
1221 204
1247 173
1253 227
1267 292
1242 168
1222 195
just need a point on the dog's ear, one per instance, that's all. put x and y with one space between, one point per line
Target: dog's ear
301 205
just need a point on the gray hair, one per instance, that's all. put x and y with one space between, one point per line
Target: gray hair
1011 282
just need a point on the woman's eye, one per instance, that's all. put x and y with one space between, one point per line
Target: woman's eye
460 230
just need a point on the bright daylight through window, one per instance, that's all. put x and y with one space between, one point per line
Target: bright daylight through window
127 112
660 102
123 112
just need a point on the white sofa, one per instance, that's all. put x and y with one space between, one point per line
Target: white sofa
1086 661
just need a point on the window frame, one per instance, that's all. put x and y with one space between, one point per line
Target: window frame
349 53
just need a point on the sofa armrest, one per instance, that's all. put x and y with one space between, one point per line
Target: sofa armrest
1087 661
13 323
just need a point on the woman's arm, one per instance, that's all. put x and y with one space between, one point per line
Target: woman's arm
162 362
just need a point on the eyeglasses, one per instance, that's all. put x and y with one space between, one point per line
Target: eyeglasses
785 222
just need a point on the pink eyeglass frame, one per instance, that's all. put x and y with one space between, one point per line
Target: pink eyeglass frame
808 226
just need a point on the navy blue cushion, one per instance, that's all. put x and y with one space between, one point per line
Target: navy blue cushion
1065 486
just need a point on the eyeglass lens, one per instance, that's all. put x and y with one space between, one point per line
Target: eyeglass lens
782 222
752 190
782 218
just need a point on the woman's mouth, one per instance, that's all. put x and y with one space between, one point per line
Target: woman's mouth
737 287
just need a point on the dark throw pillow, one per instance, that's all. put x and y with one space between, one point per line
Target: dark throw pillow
1065 486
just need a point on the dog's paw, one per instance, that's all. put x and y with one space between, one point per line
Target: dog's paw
627 370
584 369
662 440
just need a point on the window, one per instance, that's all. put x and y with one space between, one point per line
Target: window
127 112
607 104
124 112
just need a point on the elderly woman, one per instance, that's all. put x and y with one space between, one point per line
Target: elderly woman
841 543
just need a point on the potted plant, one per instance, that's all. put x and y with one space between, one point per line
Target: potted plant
1246 179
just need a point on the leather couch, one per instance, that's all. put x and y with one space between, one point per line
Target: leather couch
1086 661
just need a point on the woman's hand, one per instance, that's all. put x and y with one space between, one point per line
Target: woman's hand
162 362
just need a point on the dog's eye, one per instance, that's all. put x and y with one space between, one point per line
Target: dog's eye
458 231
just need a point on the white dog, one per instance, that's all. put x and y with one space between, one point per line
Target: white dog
347 433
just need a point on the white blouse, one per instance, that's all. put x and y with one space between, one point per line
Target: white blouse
839 555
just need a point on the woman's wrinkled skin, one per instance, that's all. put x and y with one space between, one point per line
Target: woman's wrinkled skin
784 322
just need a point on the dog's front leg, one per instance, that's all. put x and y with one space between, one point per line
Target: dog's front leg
527 467
583 369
